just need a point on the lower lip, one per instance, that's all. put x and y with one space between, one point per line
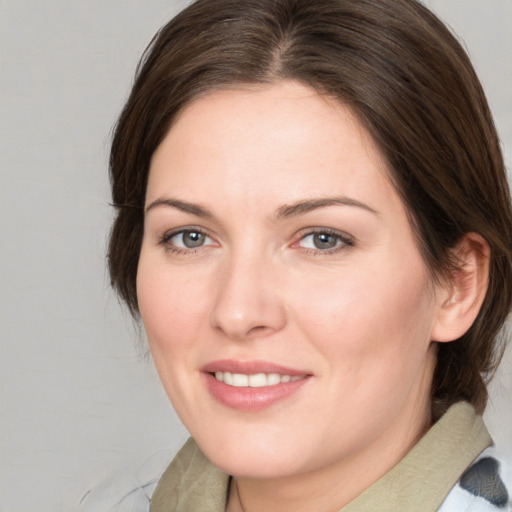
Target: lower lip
251 399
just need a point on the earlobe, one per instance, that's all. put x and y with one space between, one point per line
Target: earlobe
463 293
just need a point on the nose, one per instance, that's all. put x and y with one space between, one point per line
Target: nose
247 302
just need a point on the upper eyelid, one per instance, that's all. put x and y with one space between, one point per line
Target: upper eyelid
347 241
319 229
176 248
184 229
167 235
164 225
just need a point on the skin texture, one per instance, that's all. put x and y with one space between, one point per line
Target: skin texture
357 319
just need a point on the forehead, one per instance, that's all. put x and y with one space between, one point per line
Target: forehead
286 138
285 107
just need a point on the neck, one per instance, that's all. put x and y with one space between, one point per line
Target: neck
330 488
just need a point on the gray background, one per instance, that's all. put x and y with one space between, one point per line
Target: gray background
78 398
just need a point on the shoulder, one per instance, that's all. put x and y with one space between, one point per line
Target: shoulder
484 486
189 482
129 490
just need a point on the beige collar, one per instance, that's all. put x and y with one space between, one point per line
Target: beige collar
419 482
423 478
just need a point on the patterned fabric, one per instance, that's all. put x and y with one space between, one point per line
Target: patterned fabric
482 487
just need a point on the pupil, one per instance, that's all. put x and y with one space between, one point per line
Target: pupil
193 239
324 241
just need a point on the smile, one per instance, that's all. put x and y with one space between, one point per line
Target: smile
255 380
252 386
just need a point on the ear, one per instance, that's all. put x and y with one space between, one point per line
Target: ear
462 293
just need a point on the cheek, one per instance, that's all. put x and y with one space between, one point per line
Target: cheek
364 316
170 304
372 331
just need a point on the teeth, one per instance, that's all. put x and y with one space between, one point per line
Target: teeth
257 380
240 380
275 378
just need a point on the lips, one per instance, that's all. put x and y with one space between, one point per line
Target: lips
252 385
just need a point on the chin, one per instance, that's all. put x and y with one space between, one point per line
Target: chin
253 454
255 464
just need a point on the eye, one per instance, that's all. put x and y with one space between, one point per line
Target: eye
187 239
325 240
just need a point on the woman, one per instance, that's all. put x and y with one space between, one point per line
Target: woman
314 226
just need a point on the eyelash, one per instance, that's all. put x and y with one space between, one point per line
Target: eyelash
166 238
343 241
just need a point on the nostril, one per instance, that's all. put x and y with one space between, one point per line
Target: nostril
241 311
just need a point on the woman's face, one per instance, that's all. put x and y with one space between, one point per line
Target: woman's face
287 308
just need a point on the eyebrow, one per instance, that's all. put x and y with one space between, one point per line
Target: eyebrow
184 206
283 212
308 205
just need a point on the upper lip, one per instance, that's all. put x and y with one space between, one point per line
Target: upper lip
250 367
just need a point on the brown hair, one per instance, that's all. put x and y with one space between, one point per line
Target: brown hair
411 84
